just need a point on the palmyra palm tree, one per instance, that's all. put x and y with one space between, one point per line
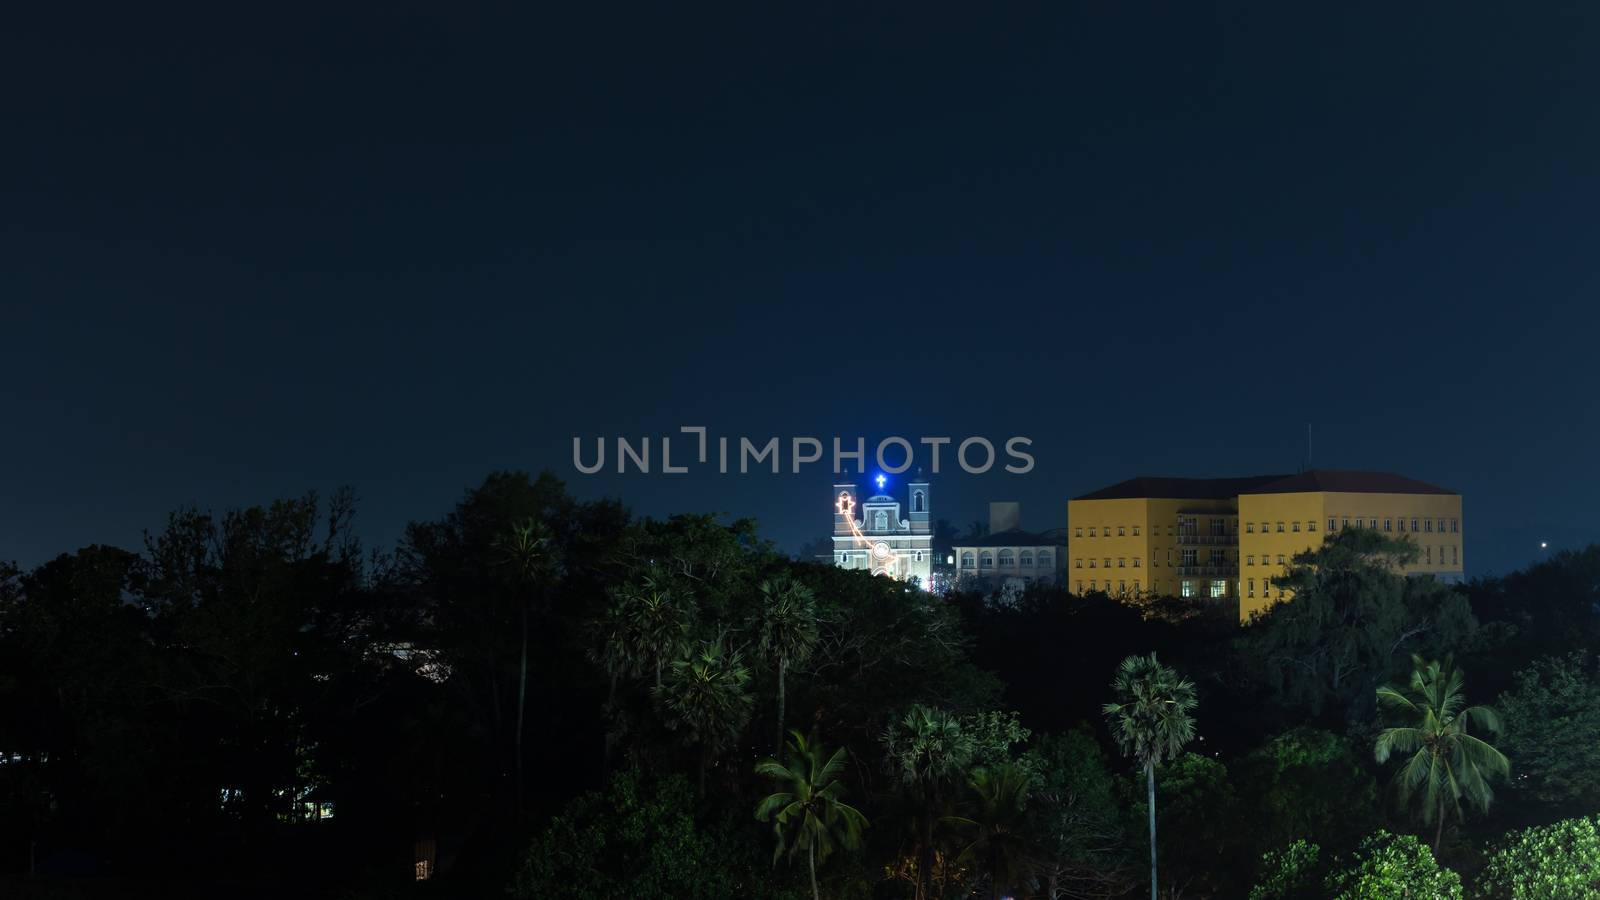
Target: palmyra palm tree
810 813
527 549
1150 720
706 698
786 629
1447 762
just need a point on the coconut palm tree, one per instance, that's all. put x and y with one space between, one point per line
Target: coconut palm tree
810 813
705 697
994 829
1150 721
786 629
1447 762
528 552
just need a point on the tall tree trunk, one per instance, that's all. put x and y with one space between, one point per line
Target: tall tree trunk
925 853
1438 829
1150 793
811 862
782 664
522 703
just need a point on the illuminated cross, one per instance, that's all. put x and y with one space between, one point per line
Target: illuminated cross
880 482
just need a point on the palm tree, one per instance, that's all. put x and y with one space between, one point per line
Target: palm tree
995 828
930 749
786 629
1447 762
661 623
705 697
527 550
1151 722
811 812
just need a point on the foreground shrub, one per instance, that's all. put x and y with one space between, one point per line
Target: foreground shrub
1560 861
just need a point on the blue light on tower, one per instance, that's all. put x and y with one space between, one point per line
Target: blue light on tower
881 479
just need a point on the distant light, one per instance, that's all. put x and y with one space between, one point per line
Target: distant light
950 560
880 482
1543 545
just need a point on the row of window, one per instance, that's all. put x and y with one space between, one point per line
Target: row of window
1219 526
1008 559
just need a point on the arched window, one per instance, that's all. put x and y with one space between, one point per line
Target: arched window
1044 559
1027 559
966 560
918 502
1008 559
986 560
880 521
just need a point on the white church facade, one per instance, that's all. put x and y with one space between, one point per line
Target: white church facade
881 536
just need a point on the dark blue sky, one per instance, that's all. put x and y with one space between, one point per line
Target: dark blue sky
396 247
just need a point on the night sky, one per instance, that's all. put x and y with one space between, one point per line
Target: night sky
247 255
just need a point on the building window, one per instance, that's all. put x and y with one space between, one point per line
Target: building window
1136 562
986 560
1108 562
1311 525
1188 588
1219 527
1414 527
917 502
1135 531
1250 560
1219 589
1078 533
1295 528
1252 583
1346 522
1249 528
1427 525
919 556
1045 559
1280 528
1008 559
1266 527
1092 563
1332 525
1441 526
1026 559
1078 563
1402 526
1122 562
1361 523
1122 587
1427 555
966 560
1122 531
1455 554
1136 585
1091 532
1080 587
841 559
1280 559
1455 526
1219 557
880 521
1387 524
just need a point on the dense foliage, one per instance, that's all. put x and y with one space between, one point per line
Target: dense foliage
553 698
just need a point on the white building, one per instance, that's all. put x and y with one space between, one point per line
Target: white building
876 536
1008 558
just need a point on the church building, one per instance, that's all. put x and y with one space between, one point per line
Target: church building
877 535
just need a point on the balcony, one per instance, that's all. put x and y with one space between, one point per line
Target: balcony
1209 539
1198 571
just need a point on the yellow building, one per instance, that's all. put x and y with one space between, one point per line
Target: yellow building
1230 538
